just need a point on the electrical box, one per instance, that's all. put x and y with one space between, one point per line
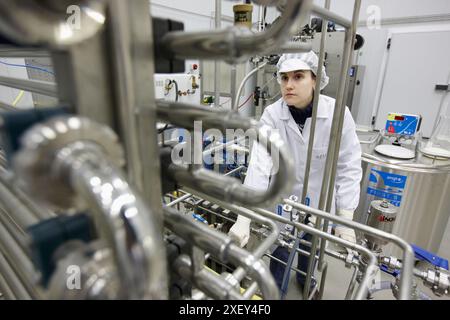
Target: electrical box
165 62
170 85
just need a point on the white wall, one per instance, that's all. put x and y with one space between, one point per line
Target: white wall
390 9
372 56
396 16
199 14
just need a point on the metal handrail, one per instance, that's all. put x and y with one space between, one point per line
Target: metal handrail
408 252
329 176
371 267
42 87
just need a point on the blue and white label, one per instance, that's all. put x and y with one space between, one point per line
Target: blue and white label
280 209
402 124
307 201
385 185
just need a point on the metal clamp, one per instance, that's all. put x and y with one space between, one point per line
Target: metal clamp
438 281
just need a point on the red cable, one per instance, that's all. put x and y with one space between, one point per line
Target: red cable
246 101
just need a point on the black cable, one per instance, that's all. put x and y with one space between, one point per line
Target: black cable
176 90
166 127
176 99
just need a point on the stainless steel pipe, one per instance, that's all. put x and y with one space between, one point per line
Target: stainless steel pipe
222 247
408 253
371 268
239 273
13 285
219 186
125 221
327 190
236 44
83 158
213 285
42 87
330 16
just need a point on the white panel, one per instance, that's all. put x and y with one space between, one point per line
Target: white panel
390 8
184 82
199 14
371 56
416 63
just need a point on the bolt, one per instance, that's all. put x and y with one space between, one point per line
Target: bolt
384 204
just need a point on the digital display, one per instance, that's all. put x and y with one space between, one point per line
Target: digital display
402 124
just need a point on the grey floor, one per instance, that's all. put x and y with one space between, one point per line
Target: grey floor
338 278
337 282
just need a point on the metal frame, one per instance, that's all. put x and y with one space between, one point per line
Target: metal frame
325 200
407 267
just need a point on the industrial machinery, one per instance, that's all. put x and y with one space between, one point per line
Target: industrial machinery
97 204
404 191
413 182
401 134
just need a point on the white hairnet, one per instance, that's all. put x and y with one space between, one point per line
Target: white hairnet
310 58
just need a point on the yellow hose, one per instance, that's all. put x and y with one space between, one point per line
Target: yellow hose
17 99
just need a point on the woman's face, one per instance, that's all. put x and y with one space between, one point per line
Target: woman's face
297 87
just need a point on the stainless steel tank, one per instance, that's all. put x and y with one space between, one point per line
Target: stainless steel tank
420 188
382 216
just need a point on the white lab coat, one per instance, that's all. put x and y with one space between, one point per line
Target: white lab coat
349 172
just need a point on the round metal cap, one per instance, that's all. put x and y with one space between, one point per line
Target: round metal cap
383 206
44 146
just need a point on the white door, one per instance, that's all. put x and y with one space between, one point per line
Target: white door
417 62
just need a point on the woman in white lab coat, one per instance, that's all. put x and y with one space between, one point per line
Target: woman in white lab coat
291 116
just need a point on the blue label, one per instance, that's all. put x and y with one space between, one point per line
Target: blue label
280 209
307 201
402 124
384 185
388 179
